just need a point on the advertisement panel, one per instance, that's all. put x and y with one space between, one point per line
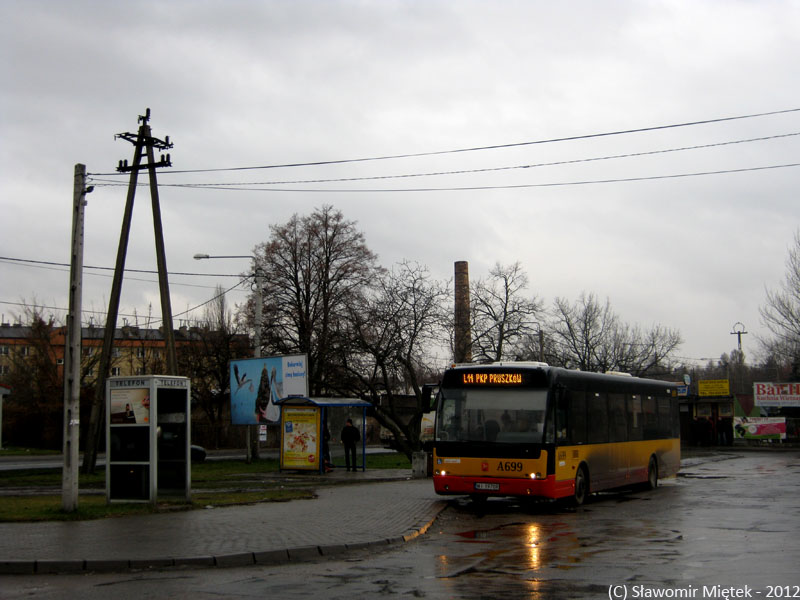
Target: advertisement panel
300 438
777 394
759 428
257 383
129 402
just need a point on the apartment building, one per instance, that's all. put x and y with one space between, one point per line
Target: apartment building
136 350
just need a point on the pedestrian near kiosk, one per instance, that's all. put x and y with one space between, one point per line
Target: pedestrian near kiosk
350 437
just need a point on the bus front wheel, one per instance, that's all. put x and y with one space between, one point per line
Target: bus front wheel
581 486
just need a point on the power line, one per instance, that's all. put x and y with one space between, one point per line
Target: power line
233 188
43 307
209 301
154 322
483 148
149 272
480 170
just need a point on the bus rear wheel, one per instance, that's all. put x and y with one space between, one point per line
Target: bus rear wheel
652 474
581 487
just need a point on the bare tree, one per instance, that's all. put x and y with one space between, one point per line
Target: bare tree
588 335
645 352
314 266
147 356
36 404
579 331
213 342
502 317
781 314
394 329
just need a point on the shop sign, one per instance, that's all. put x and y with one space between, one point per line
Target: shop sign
777 394
714 387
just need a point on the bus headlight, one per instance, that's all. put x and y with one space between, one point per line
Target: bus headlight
535 475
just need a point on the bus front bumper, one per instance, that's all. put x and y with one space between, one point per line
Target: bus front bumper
499 486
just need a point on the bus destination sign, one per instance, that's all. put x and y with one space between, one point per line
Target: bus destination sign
498 378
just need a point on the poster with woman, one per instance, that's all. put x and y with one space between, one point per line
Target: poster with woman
130 406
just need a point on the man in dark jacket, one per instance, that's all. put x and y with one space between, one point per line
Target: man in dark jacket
350 437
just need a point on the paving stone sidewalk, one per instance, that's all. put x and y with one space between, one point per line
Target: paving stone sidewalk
341 518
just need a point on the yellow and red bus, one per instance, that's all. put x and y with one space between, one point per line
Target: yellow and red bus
528 429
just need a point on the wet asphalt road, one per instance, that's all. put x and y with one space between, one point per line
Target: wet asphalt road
728 526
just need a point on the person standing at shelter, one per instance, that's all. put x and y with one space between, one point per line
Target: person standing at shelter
350 437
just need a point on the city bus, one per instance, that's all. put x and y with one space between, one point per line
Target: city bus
528 429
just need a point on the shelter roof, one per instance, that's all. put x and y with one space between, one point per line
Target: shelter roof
323 402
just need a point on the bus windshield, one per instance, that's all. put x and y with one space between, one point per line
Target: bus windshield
491 415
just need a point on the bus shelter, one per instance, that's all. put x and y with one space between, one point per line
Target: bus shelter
303 422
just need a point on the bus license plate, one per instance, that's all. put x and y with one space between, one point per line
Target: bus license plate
488 487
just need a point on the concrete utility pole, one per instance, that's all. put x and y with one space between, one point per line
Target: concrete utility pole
252 445
72 349
143 146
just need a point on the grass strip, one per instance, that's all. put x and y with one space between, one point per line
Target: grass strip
215 483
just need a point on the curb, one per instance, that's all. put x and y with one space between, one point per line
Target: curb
238 559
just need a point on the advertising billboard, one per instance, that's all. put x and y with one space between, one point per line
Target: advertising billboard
257 383
759 428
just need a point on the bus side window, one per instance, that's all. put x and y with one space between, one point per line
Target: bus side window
549 436
650 418
664 418
617 418
634 406
562 418
577 417
676 419
598 417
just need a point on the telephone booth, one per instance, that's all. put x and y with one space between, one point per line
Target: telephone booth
148 437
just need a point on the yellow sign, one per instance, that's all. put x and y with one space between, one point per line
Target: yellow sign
714 387
300 448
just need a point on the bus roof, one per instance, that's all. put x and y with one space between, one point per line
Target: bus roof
609 381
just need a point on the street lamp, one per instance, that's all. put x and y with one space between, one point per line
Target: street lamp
259 276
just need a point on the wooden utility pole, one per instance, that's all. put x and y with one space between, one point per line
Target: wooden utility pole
144 144
72 350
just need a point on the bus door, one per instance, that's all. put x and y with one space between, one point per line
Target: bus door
570 417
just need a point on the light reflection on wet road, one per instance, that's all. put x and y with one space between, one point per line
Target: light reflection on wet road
729 520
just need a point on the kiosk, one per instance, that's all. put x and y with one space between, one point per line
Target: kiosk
302 422
148 436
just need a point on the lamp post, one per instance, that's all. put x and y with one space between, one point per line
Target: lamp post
259 276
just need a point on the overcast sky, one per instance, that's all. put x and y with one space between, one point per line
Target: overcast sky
245 84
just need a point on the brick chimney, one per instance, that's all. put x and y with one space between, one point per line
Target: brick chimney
462 339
